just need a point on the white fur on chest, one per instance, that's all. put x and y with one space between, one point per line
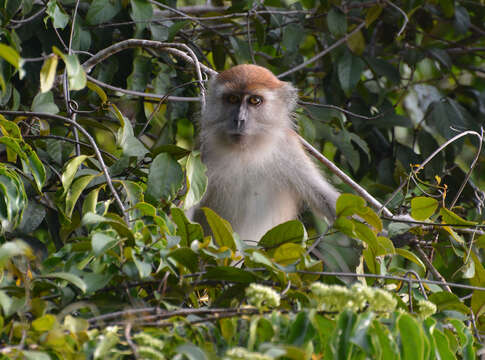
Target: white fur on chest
250 195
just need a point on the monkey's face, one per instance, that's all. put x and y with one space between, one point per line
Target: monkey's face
247 104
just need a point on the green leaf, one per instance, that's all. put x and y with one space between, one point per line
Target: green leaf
196 180
102 241
13 248
11 56
449 217
288 253
372 14
337 22
70 171
229 273
165 178
59 18
290 231
142 11
13 200
442 345
100 92
9 128
48 73
101 11
448 301
293 35
411 257
186 257
349 68
412 338
75 191
187 230
144 268
44 323
75 73
423 207
73 279
44 103
221 229
348 204
191 351
90 201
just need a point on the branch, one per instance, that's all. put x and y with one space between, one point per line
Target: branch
134 43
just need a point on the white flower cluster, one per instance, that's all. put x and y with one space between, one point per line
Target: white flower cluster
425 309
240 353
335 298
260 296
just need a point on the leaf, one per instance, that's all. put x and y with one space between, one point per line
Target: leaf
423 207
372 14
75 73
142 11
186 257
349 69
48 73
75 191
288 253
337 22
221 229
412 338
356 43
11 56
100 92
448 301
462 20
449 217
293 35
13 200
410 256
144 268
164 179
442 345
70 171
196 180
191 351
44 103
9 128
102 241
59 18
44 323
73 279
290 231
101 11
187 230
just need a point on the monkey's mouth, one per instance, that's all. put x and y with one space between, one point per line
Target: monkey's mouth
236 136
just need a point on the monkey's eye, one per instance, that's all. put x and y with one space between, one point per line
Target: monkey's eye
232 99
255 100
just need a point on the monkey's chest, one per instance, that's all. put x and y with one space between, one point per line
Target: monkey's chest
252 202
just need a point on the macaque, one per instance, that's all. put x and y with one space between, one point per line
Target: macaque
259 175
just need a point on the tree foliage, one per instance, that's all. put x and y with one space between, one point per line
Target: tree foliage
98 120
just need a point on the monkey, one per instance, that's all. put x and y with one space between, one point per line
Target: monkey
259 174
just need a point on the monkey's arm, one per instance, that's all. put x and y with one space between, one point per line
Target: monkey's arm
311 184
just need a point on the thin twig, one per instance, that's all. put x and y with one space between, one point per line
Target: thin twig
406 19
143 94
334 107
431 268
322 53
130 341
469 173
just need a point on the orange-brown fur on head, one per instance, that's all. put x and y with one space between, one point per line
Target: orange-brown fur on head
249 77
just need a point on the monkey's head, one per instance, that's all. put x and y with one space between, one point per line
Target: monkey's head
246 103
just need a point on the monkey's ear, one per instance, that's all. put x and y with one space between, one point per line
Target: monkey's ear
289 94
